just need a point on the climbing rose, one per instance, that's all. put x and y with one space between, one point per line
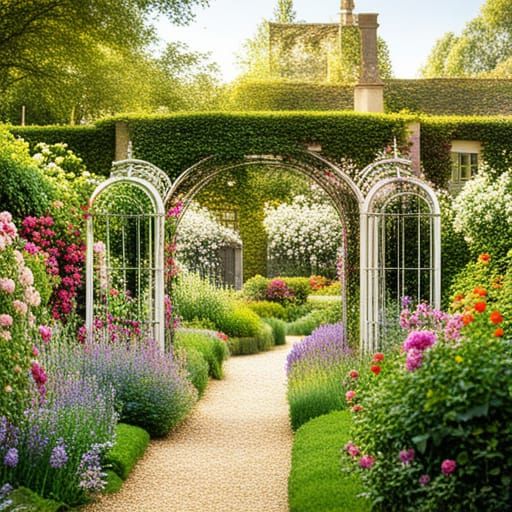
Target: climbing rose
448 466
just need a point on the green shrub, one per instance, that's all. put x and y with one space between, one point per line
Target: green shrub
265 337
307 324
278 330
130 445
239 321
211 348
452 412
197 367
25 499
331 289
267 309
294 312
255 288
244 346
24 190
300 287
114 482
316 483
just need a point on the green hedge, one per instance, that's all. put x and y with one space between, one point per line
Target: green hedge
316 482
176 142
95 145
440 96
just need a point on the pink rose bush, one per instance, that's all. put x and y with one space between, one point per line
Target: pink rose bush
19 300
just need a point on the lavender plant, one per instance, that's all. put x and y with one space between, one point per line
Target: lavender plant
152 388
48 451
316 367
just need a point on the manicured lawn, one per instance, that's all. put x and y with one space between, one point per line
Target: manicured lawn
316 483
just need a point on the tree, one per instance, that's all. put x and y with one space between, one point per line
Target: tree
48 48
284 12
485 42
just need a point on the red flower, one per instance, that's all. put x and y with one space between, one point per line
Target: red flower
375 369
378 357
480 307
499 332
353 374
484 258
496 317
458 297
480 291
357 408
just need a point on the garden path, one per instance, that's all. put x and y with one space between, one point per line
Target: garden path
232 454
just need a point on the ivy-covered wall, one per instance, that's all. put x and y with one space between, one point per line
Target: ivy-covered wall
495 134
443 96
94 144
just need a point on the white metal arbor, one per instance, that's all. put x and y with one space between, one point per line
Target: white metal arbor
126 220
390 217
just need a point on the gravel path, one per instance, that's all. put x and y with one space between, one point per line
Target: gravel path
232 454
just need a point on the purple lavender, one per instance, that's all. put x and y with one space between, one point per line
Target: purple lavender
326 346
5 490
92 476
59 457
11 458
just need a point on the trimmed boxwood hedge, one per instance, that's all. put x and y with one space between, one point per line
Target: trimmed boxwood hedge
95 145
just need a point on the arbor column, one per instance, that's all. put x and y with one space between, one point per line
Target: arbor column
369 92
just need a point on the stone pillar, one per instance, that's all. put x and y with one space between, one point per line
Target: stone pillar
347 13
122 140
369 92
414 130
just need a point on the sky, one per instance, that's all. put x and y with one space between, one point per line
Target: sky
410 27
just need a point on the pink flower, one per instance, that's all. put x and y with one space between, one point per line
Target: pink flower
352 449
5 320
350 395
31 248
414 360
98 247
46 333
424 480
420 340
38 374
26 277
32 296
35 351
5 335
366 462
407 456
448 466
7 285
20 307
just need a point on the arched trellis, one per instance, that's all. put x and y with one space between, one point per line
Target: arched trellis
148 269
377 199
400 251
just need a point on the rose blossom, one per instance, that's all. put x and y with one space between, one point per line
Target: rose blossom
366 462
352 449
5 320
407 456
448 466
350 395
7 285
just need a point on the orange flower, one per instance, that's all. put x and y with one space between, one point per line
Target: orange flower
484 258
480 307
458 297
467 318
480 291
496 317
499 332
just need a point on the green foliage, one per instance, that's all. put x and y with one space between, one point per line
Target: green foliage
278 330
130 445
307 324
197 368
333 290
25 499
114 482
263 340
316 483
456 406
24 189
300 287
255 289
267 309
240 321
211 348
95 145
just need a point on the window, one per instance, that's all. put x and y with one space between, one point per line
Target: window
228 218
464 167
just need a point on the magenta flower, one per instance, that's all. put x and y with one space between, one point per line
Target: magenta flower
420 340
352 449
414 360
366 462
448 466
46 333
407 456
424 480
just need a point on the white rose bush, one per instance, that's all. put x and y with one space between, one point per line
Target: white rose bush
303 238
